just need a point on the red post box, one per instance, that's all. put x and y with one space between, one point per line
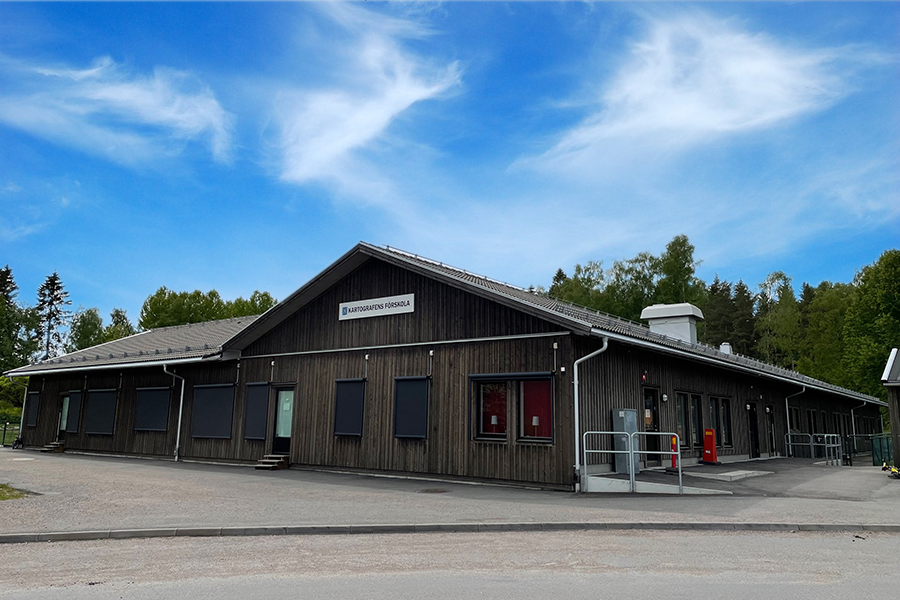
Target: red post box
709 448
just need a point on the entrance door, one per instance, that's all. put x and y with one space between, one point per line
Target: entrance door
754 430
651 423
63 417
284 413
770 429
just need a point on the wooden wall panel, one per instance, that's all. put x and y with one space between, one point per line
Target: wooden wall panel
442 312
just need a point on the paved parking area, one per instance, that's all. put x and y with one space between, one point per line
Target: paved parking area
82 492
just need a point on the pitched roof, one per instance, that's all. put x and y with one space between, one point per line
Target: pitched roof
576 318
181 343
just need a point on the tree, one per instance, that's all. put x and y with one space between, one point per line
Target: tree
744 321
257 304
118 327
778 321
52 315
86 330
165 308
718 311
872 325
676 268
18 338
822 316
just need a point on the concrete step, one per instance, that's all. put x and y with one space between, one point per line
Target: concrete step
271 462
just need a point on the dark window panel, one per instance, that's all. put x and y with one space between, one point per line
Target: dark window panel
151 412
348 406
411 408
74 416
100 412
32 403
212 412
257 412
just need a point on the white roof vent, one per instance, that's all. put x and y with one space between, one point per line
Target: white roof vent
677 321
725 348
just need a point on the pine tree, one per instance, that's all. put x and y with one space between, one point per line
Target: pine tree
18 340
743 340
52 315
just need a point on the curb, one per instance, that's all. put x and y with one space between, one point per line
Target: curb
121 534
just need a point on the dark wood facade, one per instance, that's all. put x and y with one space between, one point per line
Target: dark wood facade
452 335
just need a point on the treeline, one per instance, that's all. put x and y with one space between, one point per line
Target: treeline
841 333
49 328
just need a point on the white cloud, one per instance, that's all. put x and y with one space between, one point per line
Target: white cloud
692 80
107 110
326 131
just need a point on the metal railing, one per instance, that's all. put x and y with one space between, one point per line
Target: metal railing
830 443
631 452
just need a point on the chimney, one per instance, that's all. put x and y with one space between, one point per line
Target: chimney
725 347
677 321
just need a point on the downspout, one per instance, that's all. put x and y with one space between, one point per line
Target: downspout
577 424
180 410
787 421
853 423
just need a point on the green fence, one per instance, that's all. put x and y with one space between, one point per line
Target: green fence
882 449
8 436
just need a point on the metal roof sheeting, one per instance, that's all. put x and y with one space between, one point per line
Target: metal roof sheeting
166 344
616 325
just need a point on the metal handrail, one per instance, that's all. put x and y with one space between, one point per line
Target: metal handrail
631 452
790 445
831 443
676 452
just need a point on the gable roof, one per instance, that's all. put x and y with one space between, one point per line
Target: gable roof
180 343
578 319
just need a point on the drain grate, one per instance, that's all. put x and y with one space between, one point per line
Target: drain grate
433 491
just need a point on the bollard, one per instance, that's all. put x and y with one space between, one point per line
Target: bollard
674 449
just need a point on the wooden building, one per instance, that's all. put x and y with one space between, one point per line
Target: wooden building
390 362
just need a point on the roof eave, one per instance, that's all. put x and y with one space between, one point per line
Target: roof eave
110 366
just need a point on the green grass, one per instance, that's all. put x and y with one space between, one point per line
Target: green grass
10 493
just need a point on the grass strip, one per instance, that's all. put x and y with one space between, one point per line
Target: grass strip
10 493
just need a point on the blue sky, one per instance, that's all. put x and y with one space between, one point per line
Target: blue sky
247 146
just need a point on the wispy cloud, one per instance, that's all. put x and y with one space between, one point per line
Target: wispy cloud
108 110
326 131
695 79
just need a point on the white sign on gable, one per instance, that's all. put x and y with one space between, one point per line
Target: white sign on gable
377 307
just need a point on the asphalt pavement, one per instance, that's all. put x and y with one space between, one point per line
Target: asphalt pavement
77 493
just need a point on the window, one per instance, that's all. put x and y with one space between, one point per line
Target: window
714 419
795 418
256 411
151 411
411 407
32 403
492 409
726 422
212 411
824 422
684 419
348 406
536 409
720 420
811 420
73 415
697 419
100 412
517 402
